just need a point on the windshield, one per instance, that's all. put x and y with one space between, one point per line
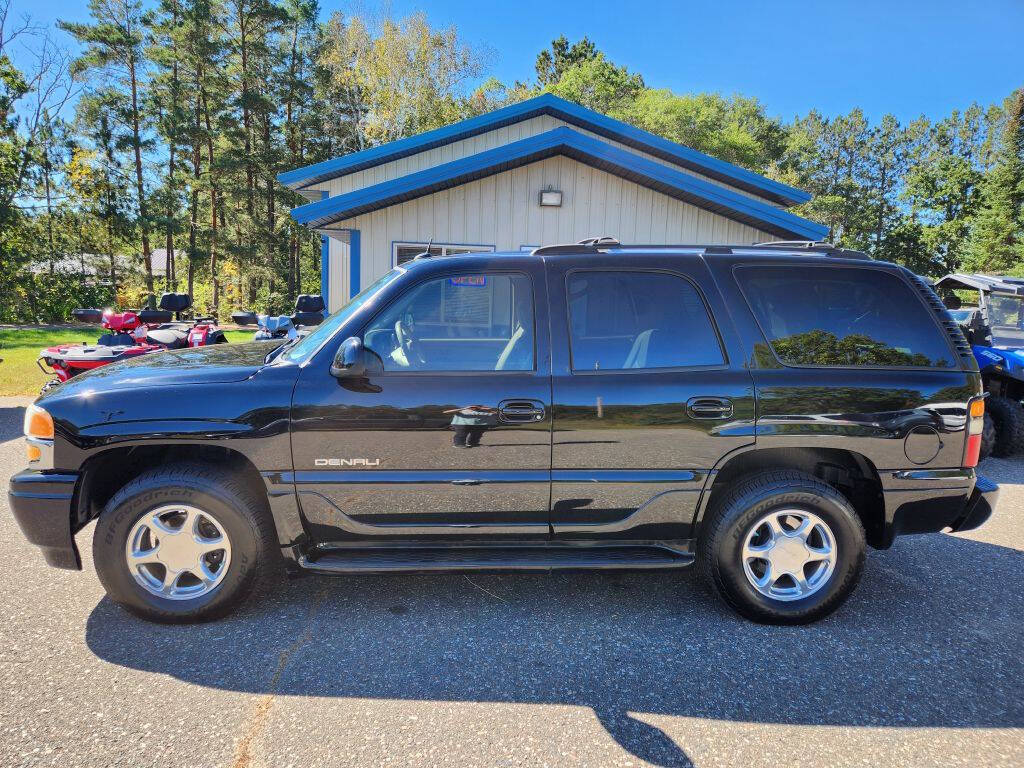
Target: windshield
309 344
1005 311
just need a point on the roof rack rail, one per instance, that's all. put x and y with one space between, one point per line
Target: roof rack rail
595 244
818 246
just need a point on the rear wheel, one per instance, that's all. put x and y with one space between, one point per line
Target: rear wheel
782 547
183 543
1008 420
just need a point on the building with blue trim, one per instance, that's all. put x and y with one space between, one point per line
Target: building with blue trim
538 172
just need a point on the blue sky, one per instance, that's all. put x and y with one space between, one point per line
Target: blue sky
908 58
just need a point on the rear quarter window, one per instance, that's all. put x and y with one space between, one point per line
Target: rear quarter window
842 317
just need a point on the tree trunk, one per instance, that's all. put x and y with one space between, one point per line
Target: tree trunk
139 180
213 207
49 204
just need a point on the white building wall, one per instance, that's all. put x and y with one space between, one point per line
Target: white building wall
480 143
503 211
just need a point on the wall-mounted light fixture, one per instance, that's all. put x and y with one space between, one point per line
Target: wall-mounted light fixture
551 197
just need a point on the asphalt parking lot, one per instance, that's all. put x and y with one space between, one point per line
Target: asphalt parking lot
922 667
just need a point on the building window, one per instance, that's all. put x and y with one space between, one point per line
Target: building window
403 252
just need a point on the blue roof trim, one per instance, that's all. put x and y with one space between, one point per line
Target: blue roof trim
547 104
572 143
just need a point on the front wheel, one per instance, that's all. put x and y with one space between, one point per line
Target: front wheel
183 543
782 547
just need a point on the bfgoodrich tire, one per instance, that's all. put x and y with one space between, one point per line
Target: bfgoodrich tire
183 543
752 541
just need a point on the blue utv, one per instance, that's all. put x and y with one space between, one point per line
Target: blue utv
994 327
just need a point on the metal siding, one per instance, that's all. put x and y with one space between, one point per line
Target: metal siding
325 262
499 137
355 260
545 110
589 150
337 284
511 216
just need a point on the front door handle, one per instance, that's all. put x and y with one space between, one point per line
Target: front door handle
709 407
521 411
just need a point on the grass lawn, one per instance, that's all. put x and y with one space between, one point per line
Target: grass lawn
19 348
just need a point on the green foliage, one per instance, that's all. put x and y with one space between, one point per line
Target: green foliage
997 242
735 129
825 348
598 84
552 64
40 297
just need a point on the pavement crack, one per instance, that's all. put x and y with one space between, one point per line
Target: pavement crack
485 591
257 720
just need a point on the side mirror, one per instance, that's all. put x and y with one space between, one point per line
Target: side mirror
354 361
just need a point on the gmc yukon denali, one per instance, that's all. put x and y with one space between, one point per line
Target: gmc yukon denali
766 412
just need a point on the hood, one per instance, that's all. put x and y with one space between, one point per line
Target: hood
217 363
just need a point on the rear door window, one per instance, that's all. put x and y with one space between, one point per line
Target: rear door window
638 320
843 316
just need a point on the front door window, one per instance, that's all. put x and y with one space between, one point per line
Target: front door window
470 322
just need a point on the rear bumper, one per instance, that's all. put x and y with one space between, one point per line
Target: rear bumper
928 501
41 503
980 505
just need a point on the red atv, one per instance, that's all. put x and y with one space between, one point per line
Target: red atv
131 333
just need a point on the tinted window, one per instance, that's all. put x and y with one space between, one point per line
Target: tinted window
621 320
476 322
843 316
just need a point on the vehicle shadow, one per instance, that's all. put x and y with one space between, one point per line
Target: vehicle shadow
931 638
11 418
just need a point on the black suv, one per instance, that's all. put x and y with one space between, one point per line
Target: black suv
766 411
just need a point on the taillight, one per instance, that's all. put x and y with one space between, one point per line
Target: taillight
975 426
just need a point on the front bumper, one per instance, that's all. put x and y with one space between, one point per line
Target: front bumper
41 503
980 505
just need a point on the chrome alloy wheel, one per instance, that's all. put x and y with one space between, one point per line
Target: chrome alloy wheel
178 552
789 554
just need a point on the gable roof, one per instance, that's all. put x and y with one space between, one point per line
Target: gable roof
571 143
547 104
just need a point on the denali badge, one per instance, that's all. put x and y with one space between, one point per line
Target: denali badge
347 462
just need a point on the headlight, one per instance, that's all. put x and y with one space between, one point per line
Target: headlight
38 423
38 436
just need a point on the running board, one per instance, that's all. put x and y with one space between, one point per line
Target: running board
493 558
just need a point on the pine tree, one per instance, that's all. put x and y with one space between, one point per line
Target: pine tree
114 49
997 239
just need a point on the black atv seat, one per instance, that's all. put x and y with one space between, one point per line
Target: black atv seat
243 318
87 315
175 302
307 318
156 316
309 309
310 303
116 340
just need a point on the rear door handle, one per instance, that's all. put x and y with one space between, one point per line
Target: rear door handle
521 411
709 407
